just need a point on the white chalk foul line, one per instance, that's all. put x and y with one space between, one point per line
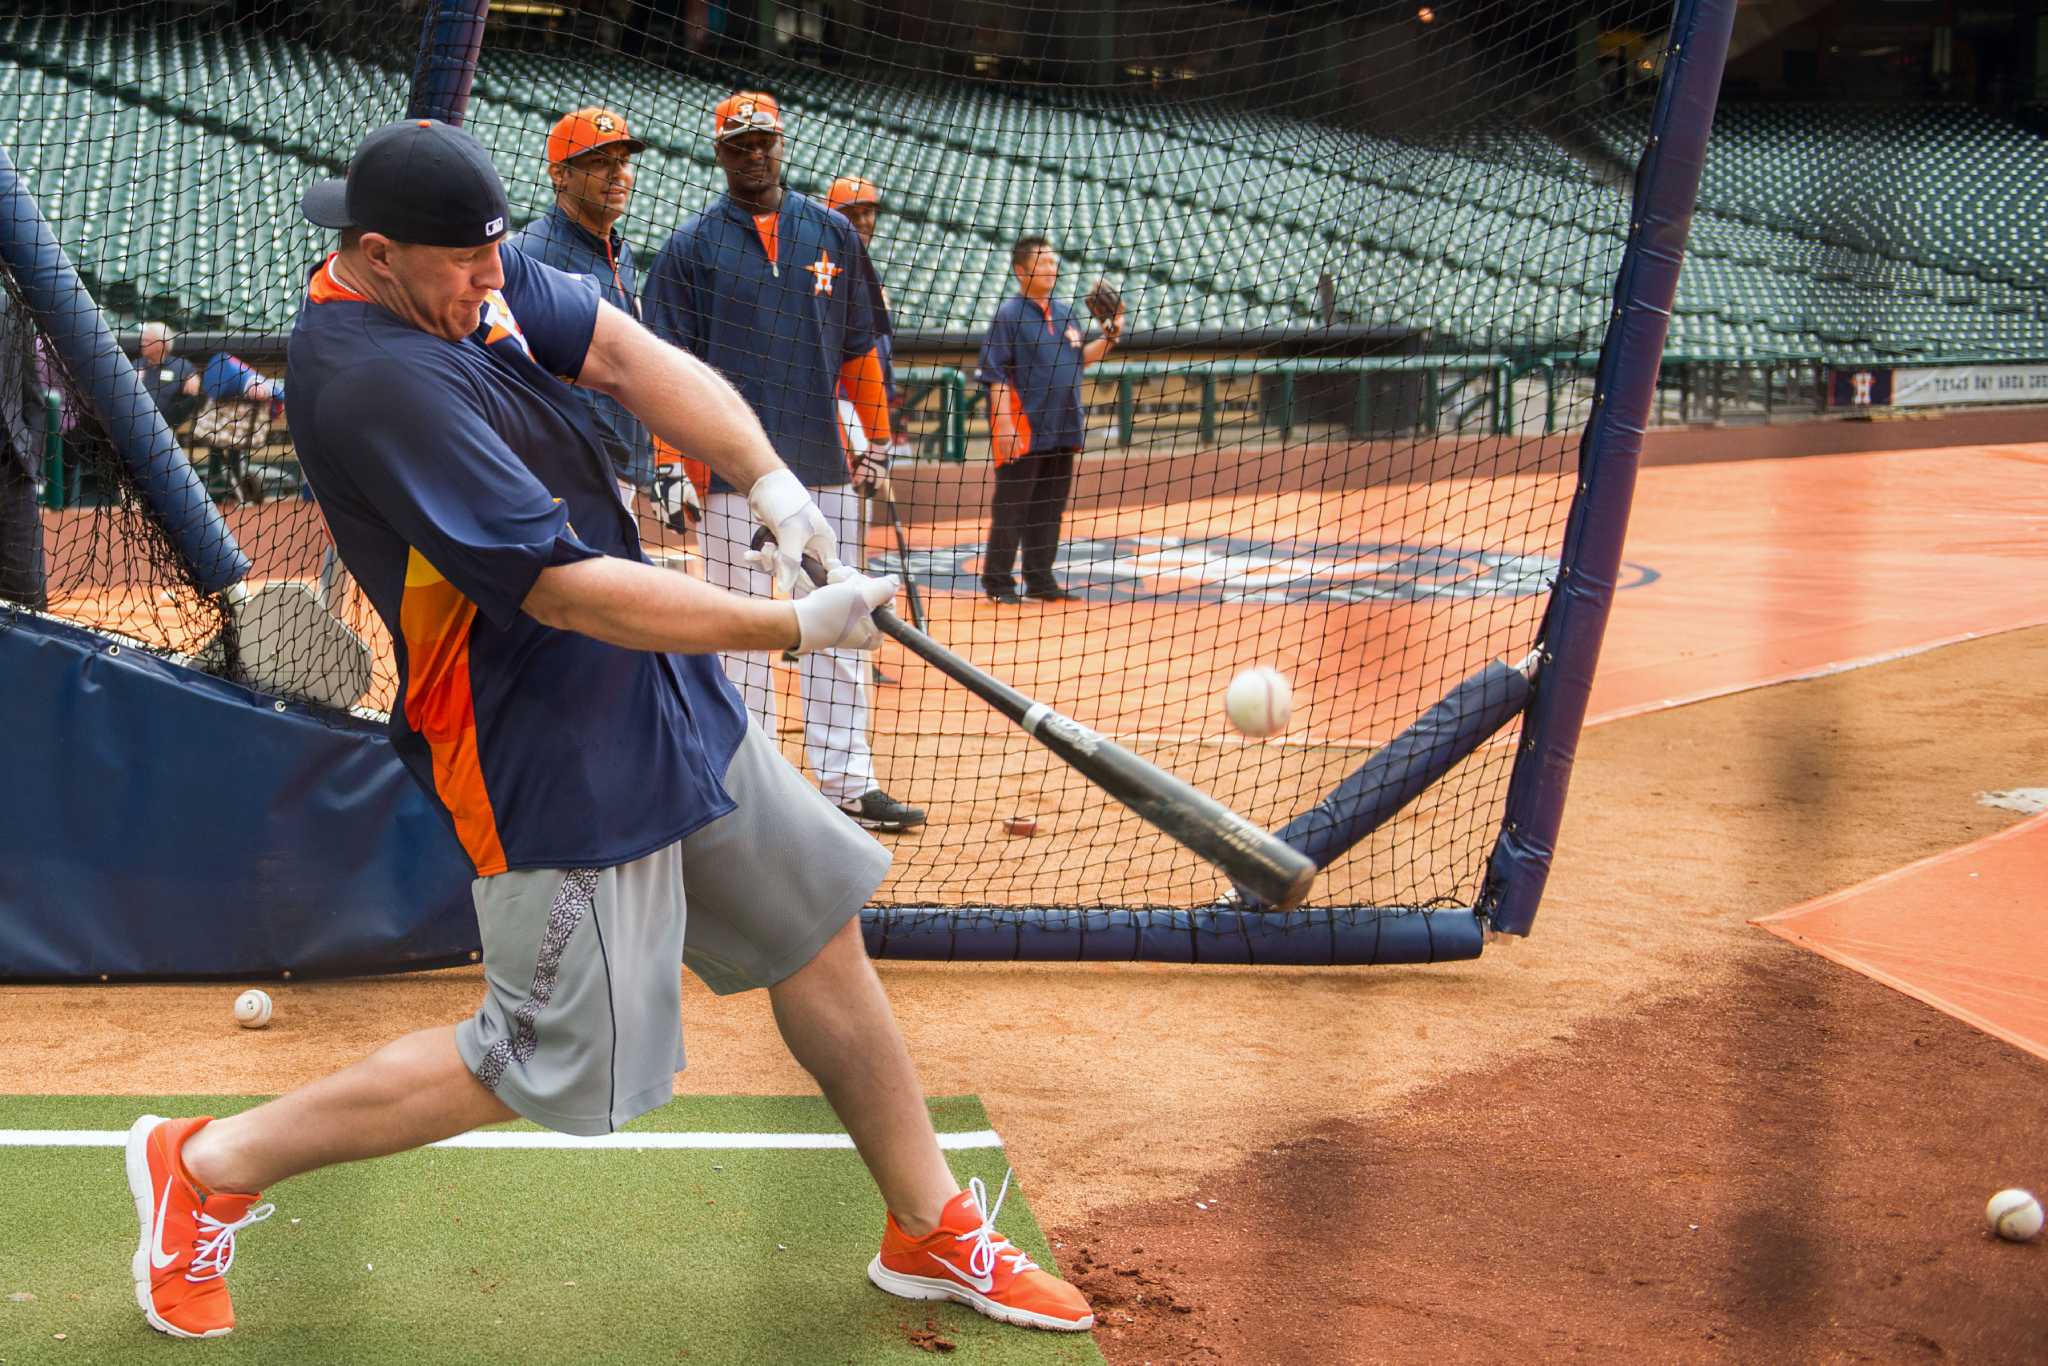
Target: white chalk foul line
634 1142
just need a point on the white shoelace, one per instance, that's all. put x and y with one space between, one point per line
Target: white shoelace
986 1243
216 1243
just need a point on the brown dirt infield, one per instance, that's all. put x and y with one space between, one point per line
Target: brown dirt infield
1488 1161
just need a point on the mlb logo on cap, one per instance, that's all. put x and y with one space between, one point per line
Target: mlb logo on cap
745 112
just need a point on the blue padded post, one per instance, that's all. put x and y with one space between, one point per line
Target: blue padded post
1353 936
1667 184
170 488
451 35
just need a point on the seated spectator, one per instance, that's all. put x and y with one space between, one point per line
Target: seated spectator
241 403
172 381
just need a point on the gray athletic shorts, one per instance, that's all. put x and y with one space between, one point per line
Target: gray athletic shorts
581 1024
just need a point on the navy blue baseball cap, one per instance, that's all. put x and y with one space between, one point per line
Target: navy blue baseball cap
420 181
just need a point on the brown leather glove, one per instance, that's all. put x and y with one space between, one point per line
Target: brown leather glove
1106 306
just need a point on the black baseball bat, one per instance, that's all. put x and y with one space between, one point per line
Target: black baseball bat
1250 857
888 497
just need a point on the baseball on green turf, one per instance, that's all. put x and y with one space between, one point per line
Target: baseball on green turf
252 1009
1259 702
2014 1215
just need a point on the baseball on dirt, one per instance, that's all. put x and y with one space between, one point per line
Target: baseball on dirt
2014 1215
252 1009
1259 702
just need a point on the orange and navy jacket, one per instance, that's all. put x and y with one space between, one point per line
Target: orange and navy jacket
779 308
1034 351
451 474
607 264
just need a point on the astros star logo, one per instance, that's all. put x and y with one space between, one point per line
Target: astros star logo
822 270
605 123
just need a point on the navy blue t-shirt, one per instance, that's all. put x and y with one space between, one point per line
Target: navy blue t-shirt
778 329
451 474
1035 349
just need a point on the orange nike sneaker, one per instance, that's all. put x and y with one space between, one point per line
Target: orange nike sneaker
188 1239
965 1259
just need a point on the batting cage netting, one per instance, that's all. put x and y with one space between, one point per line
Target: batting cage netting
1329 282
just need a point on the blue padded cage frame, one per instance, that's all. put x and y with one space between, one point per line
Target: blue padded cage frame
321 857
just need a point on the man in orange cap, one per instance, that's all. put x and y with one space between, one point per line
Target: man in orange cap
775 292
859 201
590 160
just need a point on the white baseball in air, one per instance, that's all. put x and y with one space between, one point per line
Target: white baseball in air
2014 1215
1259 702
252 1009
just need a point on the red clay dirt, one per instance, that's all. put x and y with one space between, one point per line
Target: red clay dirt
1499 1160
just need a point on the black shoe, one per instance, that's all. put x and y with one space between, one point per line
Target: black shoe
1048 592
1005 596
877 810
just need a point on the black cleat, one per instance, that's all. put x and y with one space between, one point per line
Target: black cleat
1005 596
877 810
1048 592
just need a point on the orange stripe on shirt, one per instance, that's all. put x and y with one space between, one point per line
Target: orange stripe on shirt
860 379
1020 428
327 286
435 620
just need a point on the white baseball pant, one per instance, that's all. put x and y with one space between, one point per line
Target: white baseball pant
832 683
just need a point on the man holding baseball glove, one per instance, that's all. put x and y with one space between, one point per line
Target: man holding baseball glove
1032 362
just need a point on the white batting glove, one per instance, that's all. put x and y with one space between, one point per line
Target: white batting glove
782 504
676 497
839 616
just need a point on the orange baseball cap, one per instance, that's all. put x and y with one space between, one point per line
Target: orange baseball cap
851 189
586 130
745 111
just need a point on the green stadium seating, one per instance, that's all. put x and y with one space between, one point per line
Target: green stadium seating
1928 237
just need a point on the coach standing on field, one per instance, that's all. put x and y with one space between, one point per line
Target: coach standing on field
774 291
590 162
1031 362
558 701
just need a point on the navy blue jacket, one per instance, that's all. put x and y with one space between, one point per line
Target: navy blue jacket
780 330
568 246
1035 349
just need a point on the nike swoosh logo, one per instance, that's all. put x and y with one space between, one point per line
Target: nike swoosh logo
982 1283
158 1258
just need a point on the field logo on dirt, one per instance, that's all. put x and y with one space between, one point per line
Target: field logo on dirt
1229 569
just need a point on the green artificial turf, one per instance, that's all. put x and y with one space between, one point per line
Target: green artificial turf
463 1255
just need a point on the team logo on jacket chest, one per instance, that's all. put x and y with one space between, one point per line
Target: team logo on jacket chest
822 270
